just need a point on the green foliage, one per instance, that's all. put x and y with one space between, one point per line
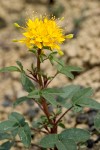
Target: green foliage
10 128
4 135
53 59
27 83
50 95
65 140
25 135
16 117
49 98
10 69
20 65
6 145
68 92
61 125
53 91
37 124
20 100
52 140
75 134
66 144
49 141
88 102
8 125
81 94
51 101
83 98
68 70
34 94
62 68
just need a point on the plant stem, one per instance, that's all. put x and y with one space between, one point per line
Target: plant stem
45 108
38 130
51 79
38 67
31 78
43 102
63 114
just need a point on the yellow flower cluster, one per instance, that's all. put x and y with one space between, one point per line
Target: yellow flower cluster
42 32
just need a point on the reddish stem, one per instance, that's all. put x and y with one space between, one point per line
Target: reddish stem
51 79
63 114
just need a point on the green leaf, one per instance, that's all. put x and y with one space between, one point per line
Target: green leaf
27 83
77 108
50 93
64 71
43 57
66 144
20 65
60 62
88 102
81 94
69 91
64 102
53 59
64 98
34 51
49 141
40 122
15 132
73 69
67 70
16 117
52 140
37 124
60 145
53 91
20 100
97 122
61 125
6 146
50 98
10 69
69 144
4 135
34 94
25 135
75 134
8 125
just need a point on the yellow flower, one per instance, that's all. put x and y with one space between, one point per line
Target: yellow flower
41 32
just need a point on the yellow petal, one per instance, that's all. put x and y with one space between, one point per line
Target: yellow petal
30 23
45 20
38 39
38 44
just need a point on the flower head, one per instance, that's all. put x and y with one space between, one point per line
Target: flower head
43 32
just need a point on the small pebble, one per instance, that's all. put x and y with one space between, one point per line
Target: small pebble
7 101
90 143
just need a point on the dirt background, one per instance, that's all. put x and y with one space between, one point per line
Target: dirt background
81 17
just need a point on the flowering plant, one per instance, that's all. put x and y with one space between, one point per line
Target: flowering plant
43 37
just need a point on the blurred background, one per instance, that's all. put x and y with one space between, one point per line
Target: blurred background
81 17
